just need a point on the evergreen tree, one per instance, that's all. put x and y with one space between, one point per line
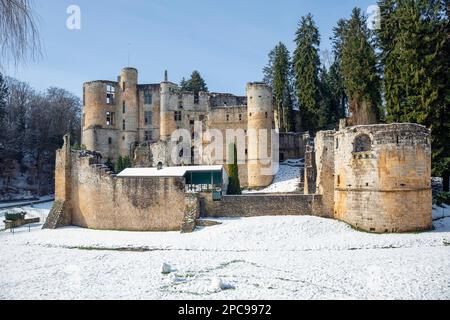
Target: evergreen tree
278 75
268 69
126 163
234 185
328 104
183 83
336 82
306 71
360 71
109 164
414 44
119 165
195 84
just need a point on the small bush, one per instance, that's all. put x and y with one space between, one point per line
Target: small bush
109 164
442 198
15 216
79 147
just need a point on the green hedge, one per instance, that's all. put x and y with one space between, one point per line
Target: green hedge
15 216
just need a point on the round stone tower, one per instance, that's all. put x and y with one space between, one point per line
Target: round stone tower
259 125
169 105
99 122
383 177
129 111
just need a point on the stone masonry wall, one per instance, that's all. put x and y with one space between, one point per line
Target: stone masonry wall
102 201
324 158
253 205
383 177
92 197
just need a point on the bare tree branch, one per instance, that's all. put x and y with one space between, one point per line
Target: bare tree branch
19 37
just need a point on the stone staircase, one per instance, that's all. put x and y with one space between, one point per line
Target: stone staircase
103 169
56 216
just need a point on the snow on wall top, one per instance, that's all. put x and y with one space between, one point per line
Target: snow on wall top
165 172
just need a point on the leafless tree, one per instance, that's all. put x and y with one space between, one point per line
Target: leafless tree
19 37
33 129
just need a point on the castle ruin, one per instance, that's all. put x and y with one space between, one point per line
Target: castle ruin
376 178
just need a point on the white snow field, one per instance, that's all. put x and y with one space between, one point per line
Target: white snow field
35 211
286 180
250 258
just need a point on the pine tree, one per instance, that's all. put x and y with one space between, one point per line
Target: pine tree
195 84
183 83
306 70
268 69
118 168
278 74
360 71
234 185
414 44
336 81
126 163
109 164
328 103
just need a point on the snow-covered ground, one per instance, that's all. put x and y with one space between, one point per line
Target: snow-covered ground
286 180
18 203
249 258
440 212
33 211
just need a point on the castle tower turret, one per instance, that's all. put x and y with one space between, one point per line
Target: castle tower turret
383 177
260 119
169 105
129 111
99 127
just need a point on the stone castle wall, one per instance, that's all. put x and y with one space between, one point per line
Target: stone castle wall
324 164
383 177
172 109
94 198
254 205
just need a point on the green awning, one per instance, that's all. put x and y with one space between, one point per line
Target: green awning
204 177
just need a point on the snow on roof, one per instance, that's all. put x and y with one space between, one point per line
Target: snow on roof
166 171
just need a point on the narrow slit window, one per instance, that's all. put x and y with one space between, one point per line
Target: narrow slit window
148 118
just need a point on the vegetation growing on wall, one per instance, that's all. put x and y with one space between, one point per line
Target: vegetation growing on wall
234 185
122 163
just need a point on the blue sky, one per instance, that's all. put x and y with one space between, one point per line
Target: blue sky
227 41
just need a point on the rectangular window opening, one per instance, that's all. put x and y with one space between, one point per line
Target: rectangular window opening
110 94
148 118
148 97
110 119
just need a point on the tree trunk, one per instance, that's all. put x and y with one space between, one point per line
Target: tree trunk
445 182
